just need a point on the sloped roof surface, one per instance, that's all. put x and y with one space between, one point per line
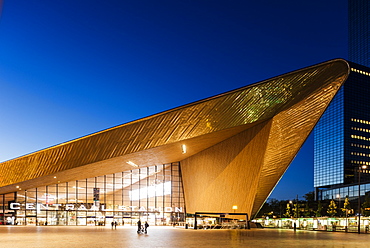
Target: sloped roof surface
156 137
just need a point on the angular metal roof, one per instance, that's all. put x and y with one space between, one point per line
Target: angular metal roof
157 139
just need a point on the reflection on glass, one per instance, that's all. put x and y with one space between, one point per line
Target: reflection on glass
151 191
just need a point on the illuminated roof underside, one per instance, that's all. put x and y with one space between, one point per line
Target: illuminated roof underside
275 116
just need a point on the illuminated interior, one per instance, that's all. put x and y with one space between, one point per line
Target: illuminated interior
152 194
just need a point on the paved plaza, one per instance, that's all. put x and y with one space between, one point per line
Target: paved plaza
90 236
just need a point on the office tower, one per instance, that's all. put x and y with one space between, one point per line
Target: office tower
342 136
359 31
342 139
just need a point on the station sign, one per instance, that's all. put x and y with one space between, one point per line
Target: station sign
89 207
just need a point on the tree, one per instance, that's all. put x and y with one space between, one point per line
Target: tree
274 206
332 209
319 210
270 208
296 210
288 212
265 210
346 206
307 210
309 197
366 206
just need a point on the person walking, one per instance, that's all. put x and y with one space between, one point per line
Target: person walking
146 225
112 224
139 226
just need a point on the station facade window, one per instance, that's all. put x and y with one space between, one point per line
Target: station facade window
153 194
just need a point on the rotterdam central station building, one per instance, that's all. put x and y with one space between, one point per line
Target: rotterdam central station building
221 155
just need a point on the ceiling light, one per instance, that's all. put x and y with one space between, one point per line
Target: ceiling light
132 164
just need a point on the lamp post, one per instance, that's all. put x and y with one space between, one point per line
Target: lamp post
359 198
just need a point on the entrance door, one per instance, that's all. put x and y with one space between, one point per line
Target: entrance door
31 221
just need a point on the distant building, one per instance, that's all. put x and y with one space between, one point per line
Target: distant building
223 154
342 136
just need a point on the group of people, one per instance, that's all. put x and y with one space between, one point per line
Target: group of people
142 228
114 224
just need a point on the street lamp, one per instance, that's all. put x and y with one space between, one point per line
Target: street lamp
363 167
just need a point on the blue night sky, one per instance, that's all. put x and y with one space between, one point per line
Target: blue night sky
69 68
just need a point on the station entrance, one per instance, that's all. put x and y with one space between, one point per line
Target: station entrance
153 194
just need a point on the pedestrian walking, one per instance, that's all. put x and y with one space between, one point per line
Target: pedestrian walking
146 225
139 226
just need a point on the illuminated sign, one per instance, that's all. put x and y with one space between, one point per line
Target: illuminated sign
89 207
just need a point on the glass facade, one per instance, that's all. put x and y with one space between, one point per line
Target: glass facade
329 144
342 137
357 124
350 191
359 31
153 194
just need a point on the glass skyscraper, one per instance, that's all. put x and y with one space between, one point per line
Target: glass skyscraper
359 31
342 136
